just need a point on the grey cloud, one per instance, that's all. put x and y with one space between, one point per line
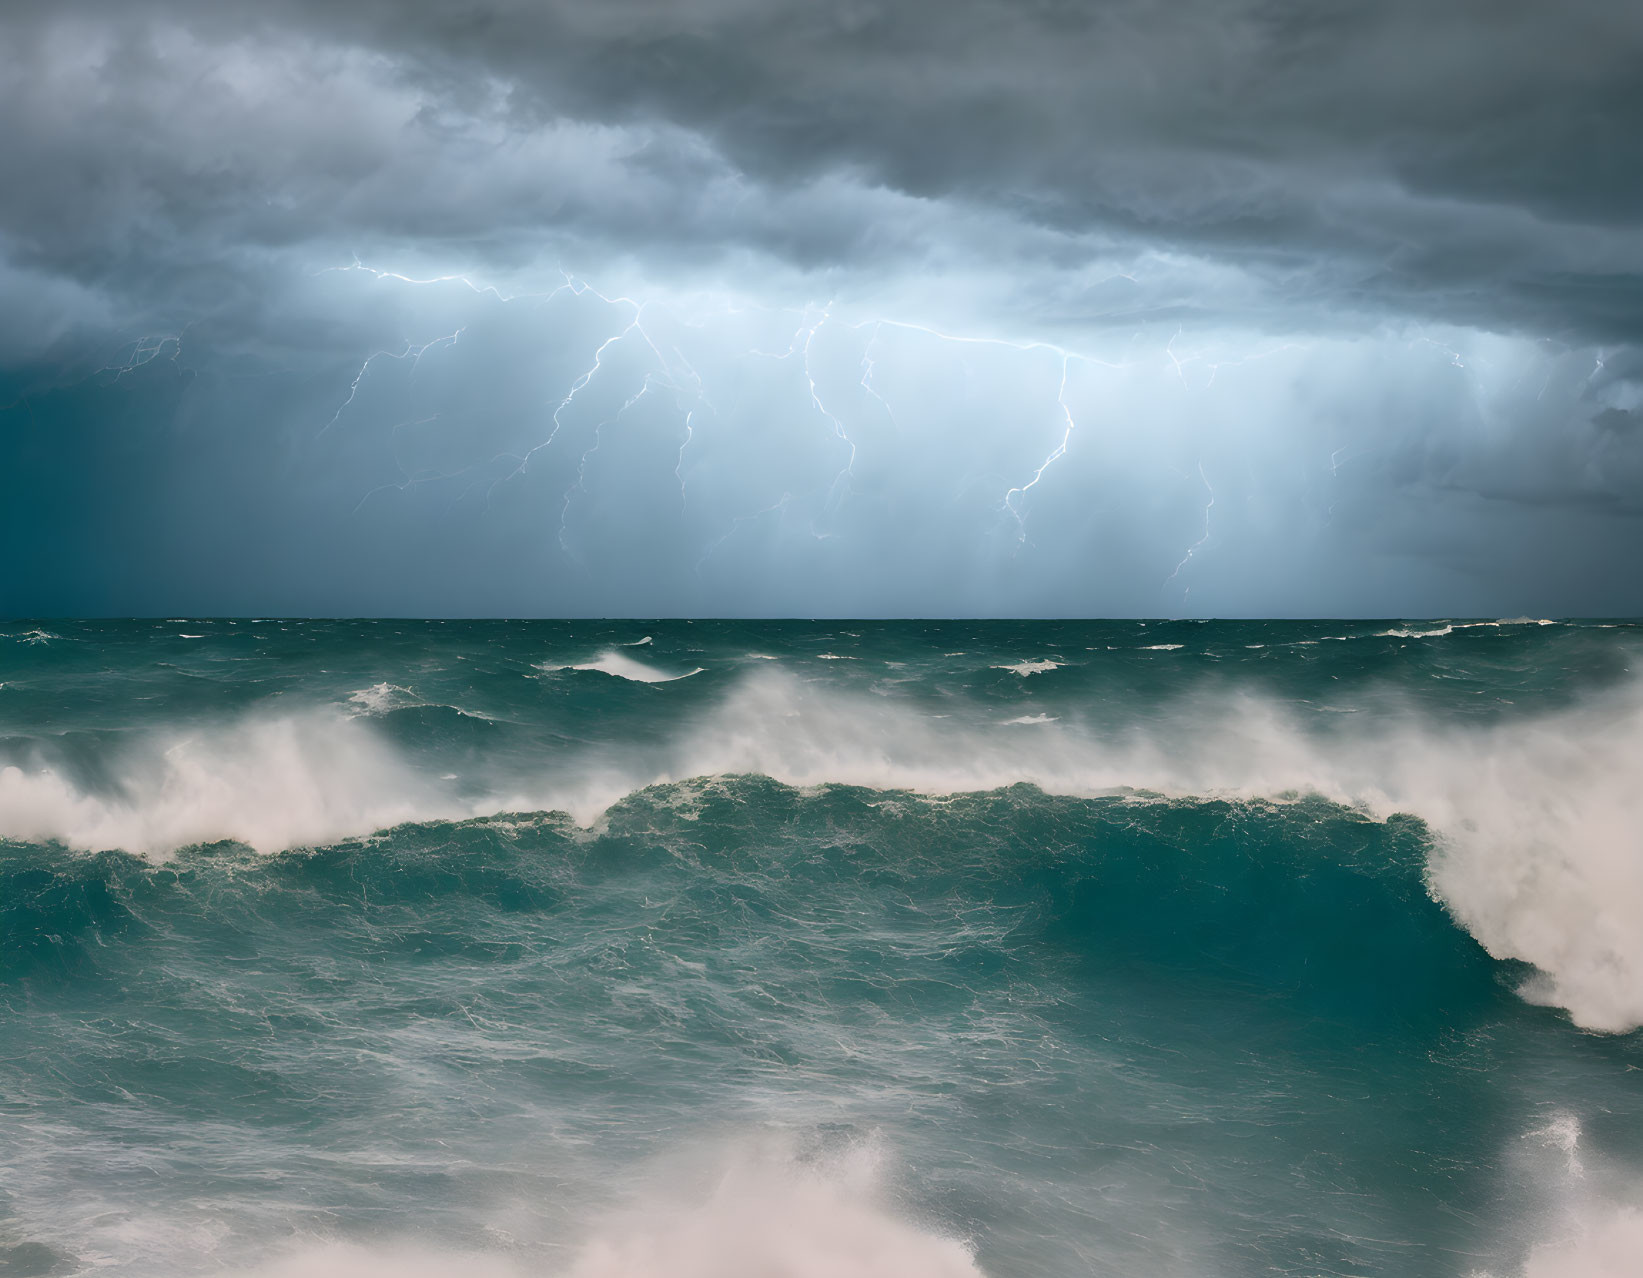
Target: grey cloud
1471 161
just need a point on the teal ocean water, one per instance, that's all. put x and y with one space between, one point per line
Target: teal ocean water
811 950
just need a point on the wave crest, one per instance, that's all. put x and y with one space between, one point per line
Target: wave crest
620 666
268 782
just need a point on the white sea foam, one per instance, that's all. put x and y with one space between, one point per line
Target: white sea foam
340 1260
1030 667
767 1215
762 1214
1601 1244
380 698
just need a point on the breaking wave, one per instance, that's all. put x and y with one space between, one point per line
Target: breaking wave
270 782
1536 823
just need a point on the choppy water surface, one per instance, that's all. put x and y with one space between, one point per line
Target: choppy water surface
748 950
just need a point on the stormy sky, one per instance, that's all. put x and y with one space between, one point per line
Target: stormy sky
760 307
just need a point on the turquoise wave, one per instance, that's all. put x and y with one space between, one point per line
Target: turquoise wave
724 1019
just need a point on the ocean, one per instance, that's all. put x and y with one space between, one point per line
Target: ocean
727 949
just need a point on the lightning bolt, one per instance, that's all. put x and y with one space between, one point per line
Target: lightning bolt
804 338
679 463
357 265
582 466
145 350
1179 363
1193 549
702 402
847 475
663 377
411 352
868 365
667 371
1014 498
577 387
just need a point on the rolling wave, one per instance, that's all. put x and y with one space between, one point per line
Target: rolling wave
1535 824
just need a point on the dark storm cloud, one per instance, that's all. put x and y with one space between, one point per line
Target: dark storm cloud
1478 162
1260 307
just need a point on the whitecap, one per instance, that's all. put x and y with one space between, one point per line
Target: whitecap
1030 667
380 698
622 667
